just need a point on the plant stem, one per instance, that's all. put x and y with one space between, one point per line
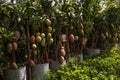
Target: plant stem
28 50
48 52
14 57
68 48
81 51
38 54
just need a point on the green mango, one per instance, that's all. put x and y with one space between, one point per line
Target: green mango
43 42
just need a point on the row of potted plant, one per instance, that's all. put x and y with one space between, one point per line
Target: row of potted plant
37 33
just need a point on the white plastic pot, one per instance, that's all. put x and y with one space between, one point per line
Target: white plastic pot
79 57
39 71
93 51
16 74
55 65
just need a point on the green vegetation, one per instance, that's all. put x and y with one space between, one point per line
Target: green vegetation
39 31
105 66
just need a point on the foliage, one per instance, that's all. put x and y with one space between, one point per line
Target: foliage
105 25
81 18
6 35
66 18
9 23
101 67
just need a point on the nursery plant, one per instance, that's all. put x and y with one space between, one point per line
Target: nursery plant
11 34
30 29
13 42
107 24
36 33
97 25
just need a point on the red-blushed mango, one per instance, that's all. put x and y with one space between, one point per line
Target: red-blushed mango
71 38
62 52
24 36
14 65
32 39
62 47
84 41
16 35
32 63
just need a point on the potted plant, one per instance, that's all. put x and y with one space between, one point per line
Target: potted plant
11 50
39 36
91 13
14 47
107 27
66 23
41 43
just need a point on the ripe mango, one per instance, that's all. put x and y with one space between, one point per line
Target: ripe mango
9 47
16 35
14 44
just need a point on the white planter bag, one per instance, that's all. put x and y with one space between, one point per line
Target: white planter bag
79 57
39 71
55 65
93 51
16 74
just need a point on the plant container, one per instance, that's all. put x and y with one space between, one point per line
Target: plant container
79 57
93 51
39 71
55 65
16 74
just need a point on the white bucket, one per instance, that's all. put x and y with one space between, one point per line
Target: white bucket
79 57
39 71
93 51
55 65
16 74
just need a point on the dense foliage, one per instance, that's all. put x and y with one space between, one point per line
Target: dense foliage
34 31
105 66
